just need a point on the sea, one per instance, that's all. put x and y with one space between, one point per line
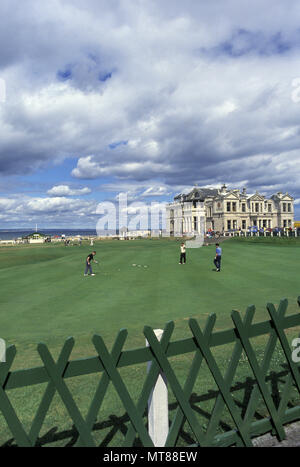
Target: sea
10 234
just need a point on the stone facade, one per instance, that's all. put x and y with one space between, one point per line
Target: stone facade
225 210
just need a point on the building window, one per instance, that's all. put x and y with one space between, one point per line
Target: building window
289 222
194 204
243 207
264 223
256 207
289 207
269 207
195 223
228 225
284 223
234 207
228 207
243 224
284 207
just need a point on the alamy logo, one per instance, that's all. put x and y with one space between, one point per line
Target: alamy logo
2 91
2 351
296 351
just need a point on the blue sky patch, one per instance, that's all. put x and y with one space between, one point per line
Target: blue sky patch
244 42
117 143
64 75
105 76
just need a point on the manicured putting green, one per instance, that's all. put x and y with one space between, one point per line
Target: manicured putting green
45 296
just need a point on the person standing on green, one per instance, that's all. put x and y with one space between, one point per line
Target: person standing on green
182 254
218 257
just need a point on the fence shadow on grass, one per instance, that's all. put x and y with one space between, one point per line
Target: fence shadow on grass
119 424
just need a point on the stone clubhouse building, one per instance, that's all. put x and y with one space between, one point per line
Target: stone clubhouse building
225 211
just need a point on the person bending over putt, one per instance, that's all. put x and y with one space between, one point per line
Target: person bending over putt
88 267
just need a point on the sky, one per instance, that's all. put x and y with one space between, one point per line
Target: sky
144 97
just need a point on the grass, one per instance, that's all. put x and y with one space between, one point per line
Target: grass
45 297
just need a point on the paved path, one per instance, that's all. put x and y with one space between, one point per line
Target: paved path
292 438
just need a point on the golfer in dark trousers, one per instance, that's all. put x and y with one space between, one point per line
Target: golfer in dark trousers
182 254
218 257
88 267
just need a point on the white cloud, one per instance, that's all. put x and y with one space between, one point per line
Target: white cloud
26 210
65 190
155 191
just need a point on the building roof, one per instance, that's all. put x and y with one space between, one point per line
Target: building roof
198 194
202 193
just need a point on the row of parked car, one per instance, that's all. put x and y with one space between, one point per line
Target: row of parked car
254 229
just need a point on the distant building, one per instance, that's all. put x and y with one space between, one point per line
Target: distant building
125 233
225 210
36 237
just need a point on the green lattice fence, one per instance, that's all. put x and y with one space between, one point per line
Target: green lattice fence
200 345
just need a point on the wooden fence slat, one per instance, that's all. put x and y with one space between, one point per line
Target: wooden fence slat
174 384
6 407
55 375
122 391
258 374
50 392
189 384
104 383
149 383
228 379
224 390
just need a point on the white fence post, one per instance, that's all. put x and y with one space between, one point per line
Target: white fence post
2 351
158 411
